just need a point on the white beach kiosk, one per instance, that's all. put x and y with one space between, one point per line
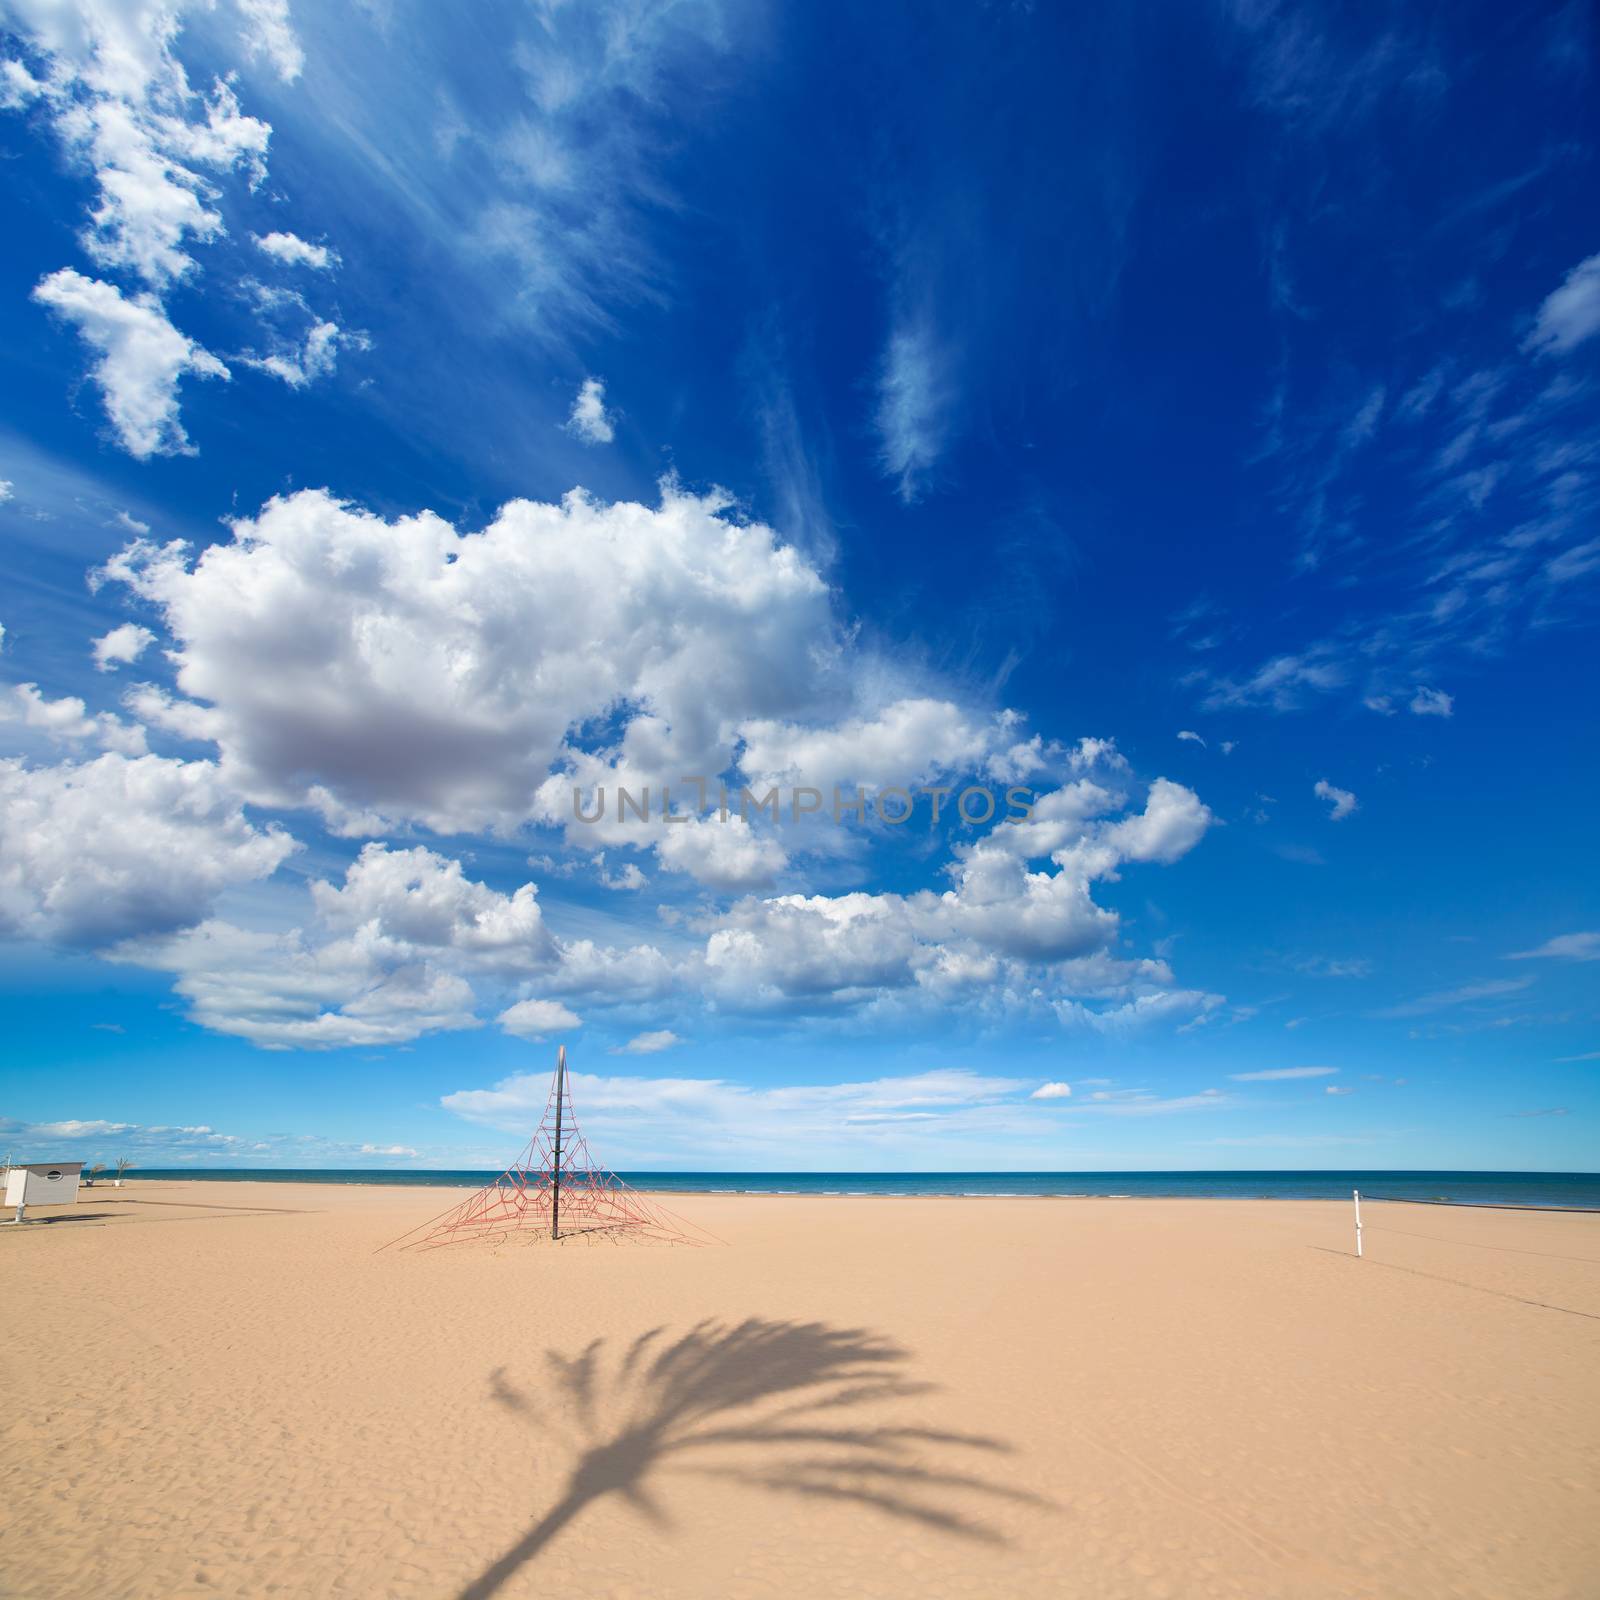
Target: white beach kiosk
42 1183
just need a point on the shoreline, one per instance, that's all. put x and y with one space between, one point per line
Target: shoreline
875 1194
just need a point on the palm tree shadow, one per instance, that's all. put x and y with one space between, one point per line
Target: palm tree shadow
773 1405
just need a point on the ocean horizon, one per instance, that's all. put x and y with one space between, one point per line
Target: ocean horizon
1580 1190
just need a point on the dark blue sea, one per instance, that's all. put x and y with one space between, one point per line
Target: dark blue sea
1580 1189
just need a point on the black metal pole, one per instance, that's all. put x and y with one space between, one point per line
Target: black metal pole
555 1182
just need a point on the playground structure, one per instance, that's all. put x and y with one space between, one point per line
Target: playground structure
555 1187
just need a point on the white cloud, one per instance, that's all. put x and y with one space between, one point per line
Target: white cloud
1443 999
121 103
293 251
1570 314
1580 560
1052 1091
118 100
271 34
114 847
68 719
931 1116
314 356
533 1019
153 1145
141 357
464 662
1563 947
283 991
1172 823
416 901
1334 1088
1284 683
1341 800
727 855
589 420
909 742
648 1044
394 953
1432 703
120 646
1192 737
1276 1074
7 490
984 936
625 878
915 401
1147 1103
484 677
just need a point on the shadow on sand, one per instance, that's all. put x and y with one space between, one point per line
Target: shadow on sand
781 1406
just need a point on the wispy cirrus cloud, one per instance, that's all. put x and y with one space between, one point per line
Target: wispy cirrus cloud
1280 1074
1445 999
1563 947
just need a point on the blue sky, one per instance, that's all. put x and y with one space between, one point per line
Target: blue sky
1186 416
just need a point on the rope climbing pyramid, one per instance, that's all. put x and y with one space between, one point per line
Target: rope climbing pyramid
555 1187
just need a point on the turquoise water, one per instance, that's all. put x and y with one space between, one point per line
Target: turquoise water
1459 1188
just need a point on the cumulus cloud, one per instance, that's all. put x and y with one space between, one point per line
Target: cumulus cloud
101 850
388 1150
589 420
406 942
1570 314
988 934
727 855
409 672
1052 1091
1278 1074
140 357
68 720
392 953
417 900
293 251
1432 703
287 991
120 102
1341 801
534 1019
122 645
393 673
627 877
1192 737
911 741
1172 823
648 1044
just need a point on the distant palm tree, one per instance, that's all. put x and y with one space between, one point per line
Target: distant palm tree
123 1165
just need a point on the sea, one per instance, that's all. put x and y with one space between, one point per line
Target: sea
1573 1190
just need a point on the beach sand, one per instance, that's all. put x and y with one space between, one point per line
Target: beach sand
218 1389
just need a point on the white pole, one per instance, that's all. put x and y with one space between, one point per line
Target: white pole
1357 1194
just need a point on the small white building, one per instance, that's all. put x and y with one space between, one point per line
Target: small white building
43 1183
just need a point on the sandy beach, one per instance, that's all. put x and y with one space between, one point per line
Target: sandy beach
219 1389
